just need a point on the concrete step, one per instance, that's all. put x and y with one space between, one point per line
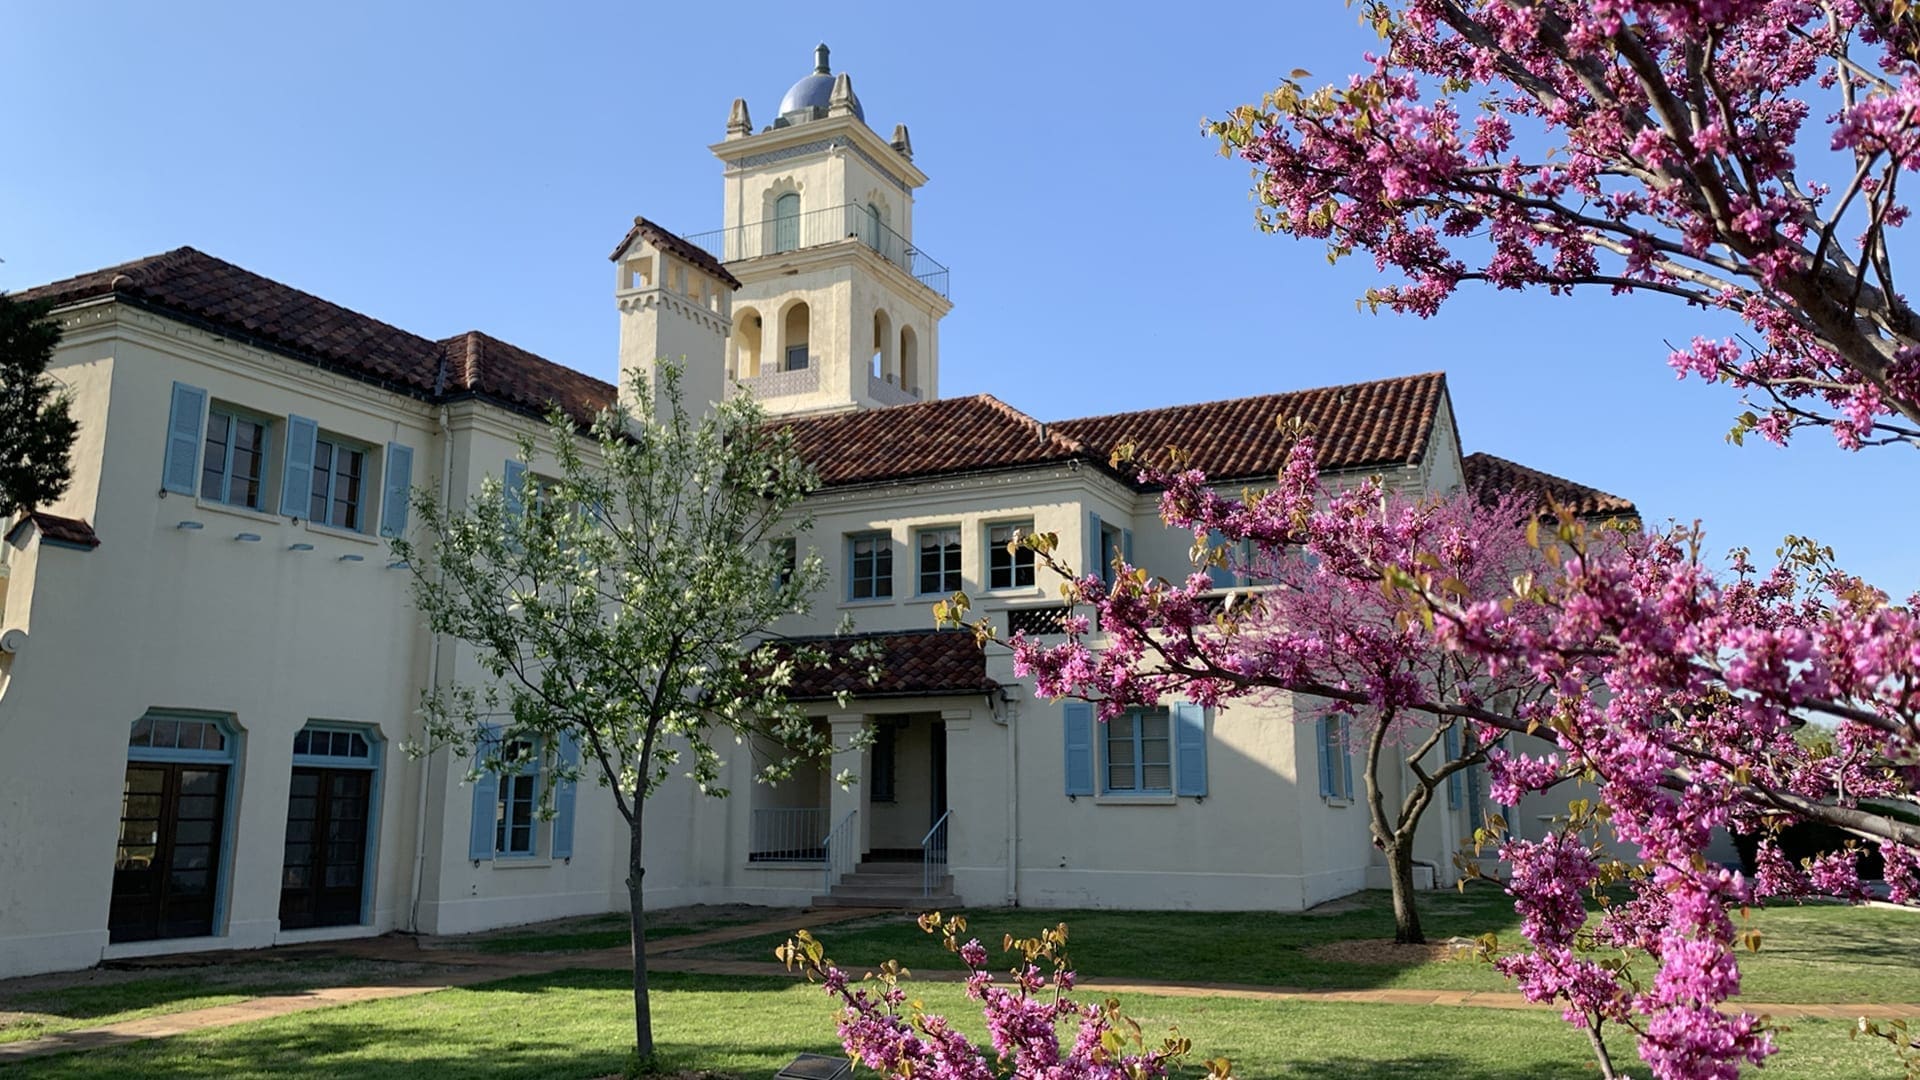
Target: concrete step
903 901
866 888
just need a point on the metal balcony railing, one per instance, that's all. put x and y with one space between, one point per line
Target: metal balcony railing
817 228
783 834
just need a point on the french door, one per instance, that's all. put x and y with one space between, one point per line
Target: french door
166 868
326 850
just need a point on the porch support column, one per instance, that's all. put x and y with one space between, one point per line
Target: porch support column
848 758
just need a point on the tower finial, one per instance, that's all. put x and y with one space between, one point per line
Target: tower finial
820 66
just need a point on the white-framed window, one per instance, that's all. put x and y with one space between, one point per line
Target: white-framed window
1336 764
869 566
233 462
515 818
938 559
1009 569
339 484
1139 753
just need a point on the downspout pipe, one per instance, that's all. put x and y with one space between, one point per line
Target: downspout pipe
433 682
1003 716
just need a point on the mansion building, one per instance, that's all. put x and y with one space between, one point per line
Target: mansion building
210 662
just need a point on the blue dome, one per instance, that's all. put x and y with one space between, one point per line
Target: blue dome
816 90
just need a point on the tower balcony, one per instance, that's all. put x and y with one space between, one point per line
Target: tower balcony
819 228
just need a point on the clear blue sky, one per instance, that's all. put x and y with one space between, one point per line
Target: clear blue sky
451 167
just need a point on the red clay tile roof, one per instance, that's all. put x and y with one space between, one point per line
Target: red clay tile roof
198 288
929 438
665 240
1363 425
59 530
485 366
1490 477
913 663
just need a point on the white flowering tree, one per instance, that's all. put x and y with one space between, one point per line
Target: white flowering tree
613 604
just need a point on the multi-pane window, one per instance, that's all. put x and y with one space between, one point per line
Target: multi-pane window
1111 549
234 460
1338 777
869 566
939 560
1009 569
785 555
1139 747
162 732
519 797
337 472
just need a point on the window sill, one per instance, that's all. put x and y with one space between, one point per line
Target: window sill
1016 593
1336 801
247 513
340 534
880 601
521 862
1136 800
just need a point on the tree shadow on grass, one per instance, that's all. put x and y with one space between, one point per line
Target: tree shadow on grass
1434 1065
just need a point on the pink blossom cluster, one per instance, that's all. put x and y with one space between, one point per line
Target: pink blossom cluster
1636 146
1683 695
1024 1020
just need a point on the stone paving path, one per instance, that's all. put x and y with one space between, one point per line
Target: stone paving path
473 968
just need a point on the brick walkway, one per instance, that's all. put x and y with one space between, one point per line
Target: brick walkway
472 968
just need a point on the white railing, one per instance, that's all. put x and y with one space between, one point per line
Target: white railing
775 384
787 834
887 392
841 849
933 855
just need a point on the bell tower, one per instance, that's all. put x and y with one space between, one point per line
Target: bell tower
837 307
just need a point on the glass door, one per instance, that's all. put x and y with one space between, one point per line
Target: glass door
166 867
326 847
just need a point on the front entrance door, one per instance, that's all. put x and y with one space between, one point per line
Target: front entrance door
167 866
326 851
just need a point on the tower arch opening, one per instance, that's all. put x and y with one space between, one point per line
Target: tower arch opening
743 360
910 360
796 331
883 361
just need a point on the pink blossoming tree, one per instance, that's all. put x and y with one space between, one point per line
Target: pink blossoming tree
1639 146
1643 147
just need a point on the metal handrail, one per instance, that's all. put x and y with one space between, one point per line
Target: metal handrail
842 856
933 853
817 228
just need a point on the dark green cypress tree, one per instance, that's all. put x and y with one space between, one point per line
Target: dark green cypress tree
36 421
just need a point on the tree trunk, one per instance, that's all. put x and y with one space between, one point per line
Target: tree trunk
1406 917
637 921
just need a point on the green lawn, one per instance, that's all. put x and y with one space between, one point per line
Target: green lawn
1816 953
109 997
608 931
574 1025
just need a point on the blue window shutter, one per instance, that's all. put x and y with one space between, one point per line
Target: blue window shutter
486 796
394 493
1079 724
1321 737
1452 739
1190 748
1126 546
1222 576
296 480
563 794
515 484
1095 565
1346 754
184 427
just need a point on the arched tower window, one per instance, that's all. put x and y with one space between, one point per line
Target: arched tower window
883 367
786 222
794 339
746 343
910 360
